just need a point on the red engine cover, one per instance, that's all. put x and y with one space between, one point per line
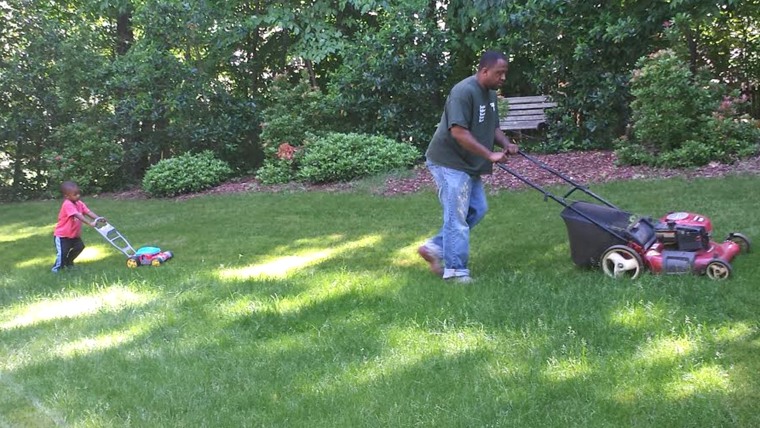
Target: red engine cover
688 219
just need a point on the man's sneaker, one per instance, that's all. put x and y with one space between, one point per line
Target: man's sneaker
467 279
432 255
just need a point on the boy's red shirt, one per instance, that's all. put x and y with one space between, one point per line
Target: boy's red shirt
69 226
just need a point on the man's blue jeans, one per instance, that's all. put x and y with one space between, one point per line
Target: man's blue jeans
464 204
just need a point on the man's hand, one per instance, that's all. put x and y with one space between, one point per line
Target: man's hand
512 149
497 157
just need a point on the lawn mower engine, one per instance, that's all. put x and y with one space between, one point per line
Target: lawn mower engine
684 245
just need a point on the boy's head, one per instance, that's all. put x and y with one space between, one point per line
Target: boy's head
70 191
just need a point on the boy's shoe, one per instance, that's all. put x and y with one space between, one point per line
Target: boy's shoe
432 254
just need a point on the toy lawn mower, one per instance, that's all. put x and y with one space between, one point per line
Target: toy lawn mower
624 245
141 257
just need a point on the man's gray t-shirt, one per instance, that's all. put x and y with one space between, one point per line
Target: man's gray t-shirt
473 107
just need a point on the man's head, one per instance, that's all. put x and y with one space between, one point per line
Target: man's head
70 191
492 69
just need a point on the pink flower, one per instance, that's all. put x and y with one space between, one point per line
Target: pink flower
285 151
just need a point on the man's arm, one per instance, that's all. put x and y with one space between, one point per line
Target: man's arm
505 142
464 137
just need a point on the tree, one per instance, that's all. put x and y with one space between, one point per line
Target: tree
724 36
393 78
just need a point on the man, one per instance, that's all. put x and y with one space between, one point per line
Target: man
462 149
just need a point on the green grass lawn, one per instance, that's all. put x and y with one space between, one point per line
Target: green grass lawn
313 310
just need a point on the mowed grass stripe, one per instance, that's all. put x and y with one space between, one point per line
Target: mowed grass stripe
313 309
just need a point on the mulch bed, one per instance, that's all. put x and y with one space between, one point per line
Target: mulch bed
582 167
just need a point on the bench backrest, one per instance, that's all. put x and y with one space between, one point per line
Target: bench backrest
525 112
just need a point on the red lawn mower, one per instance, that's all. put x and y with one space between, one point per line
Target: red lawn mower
624 245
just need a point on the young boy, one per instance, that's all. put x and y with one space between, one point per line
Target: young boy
68 243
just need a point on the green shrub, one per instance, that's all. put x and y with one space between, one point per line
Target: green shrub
690 154
736 135
86 157
293 113
276 171
185 174
681 120
668 106
632 154
344 157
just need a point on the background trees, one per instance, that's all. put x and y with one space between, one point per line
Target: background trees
118 85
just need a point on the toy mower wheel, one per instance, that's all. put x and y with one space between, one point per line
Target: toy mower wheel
132 262
620 261
155 262
742 241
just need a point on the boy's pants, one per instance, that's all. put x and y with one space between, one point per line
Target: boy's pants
67 249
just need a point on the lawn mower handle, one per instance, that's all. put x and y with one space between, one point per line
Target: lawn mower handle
547 194
562 200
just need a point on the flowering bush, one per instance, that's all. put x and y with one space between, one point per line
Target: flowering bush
668 106
286 152
682 120
281 168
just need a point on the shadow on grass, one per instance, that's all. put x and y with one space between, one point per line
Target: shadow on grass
237 353
355 338
357 357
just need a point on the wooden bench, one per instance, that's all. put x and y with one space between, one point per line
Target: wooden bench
525 113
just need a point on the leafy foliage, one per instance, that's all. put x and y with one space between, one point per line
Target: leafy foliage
163 77
46 82
294 111
177 105
392 80
185 174
668 106
580 53
276 171
86 157
722 37
344 157
679 119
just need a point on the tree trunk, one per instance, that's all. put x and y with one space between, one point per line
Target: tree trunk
691 42
312 74
18 171
125 36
